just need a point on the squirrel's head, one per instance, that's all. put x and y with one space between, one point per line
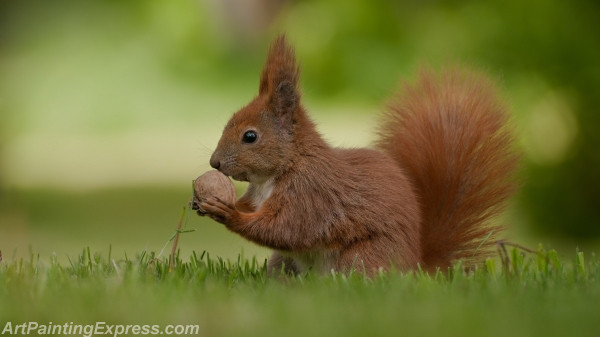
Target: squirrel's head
258 141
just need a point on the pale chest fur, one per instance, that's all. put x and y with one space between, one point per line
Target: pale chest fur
261 192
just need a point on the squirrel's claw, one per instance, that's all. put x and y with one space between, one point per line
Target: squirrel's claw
195 205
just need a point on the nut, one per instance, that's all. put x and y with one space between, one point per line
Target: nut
213 184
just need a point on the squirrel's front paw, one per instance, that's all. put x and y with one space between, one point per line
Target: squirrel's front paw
195 203
217 210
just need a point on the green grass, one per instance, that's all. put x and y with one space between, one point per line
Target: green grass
538 294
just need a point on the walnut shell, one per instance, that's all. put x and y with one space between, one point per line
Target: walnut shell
213 184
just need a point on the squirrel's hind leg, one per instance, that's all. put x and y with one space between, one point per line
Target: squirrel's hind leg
279 265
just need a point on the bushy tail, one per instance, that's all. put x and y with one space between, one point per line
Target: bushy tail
450 134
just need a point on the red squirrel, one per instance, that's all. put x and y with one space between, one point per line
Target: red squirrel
425 195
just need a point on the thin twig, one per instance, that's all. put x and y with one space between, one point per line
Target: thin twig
504 253
504 256
516 245
176 239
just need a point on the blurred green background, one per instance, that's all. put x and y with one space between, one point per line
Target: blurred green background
108 109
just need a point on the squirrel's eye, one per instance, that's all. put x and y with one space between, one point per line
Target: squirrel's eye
249 137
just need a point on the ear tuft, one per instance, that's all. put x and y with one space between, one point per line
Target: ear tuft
285 98
279 79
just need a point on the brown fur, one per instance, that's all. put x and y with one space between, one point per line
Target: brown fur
425 197
451 135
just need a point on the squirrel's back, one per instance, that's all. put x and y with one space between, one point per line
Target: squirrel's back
450 134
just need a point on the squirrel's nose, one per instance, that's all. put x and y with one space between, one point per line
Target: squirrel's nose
215 163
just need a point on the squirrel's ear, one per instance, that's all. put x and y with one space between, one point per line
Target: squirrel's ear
279 79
